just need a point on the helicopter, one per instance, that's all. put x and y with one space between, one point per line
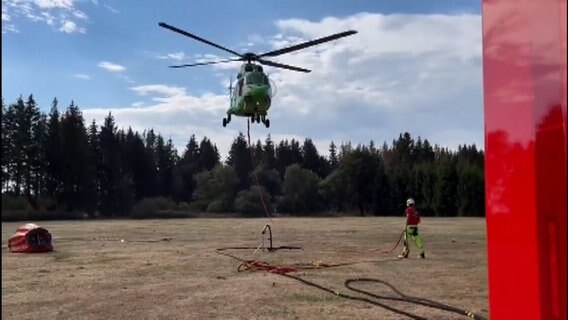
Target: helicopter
252 94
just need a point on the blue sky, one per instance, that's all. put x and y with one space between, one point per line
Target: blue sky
414 65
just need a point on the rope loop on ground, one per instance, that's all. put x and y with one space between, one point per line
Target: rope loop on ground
372 298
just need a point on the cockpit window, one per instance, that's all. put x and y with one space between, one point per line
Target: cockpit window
256 78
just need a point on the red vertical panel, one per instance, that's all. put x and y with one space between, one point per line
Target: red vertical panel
509 163
548 65
563 31
525 132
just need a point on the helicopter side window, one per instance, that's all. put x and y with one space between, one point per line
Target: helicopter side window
250 78
240 86
256 78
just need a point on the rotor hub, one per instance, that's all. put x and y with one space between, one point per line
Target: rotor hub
249 56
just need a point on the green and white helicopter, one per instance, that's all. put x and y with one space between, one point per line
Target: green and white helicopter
252 93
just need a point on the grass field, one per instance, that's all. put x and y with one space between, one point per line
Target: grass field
168 269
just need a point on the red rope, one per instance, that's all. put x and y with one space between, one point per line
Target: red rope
265 266
254 265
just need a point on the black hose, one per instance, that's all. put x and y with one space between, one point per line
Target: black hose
346 296
402 297
406 298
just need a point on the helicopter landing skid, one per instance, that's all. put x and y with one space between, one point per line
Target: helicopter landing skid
253 118
260 119
226 120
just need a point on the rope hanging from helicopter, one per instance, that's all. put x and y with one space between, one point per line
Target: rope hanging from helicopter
255 173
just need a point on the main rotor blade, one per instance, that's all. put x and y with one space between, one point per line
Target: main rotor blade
204 63
283 66
187 34
308 44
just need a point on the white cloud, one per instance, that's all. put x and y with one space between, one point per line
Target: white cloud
177 56
174 98
126 78
9 28
112 67
254 38
160 89
415 73
117 69
64 12
111 9
233 65
48 4
70 27
172 113
80 15
81 76
49 19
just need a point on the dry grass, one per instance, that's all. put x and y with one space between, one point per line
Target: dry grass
184 278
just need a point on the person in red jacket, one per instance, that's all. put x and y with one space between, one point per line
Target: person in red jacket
411 229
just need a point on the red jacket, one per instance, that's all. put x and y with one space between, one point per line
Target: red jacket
412 217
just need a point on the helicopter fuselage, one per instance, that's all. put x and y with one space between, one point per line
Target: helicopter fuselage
255 99
251 95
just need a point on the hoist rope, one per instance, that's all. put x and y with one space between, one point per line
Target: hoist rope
250 147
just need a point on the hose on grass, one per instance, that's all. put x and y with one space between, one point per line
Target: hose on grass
285 270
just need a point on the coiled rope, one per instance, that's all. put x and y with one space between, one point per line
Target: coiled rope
286 270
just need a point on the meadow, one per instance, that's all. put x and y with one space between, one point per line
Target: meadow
169 269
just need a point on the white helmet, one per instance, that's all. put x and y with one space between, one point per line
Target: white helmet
409 202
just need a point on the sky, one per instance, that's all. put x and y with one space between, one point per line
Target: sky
414 66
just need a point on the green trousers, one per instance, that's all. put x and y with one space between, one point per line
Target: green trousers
412 232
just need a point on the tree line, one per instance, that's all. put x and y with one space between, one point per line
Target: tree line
56 162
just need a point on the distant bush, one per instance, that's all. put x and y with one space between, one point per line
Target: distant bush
158 208
36 215
18 208
149 207
249 203
183 206
14 203
198 206
216 206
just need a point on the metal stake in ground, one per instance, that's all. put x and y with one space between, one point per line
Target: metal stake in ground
270 248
